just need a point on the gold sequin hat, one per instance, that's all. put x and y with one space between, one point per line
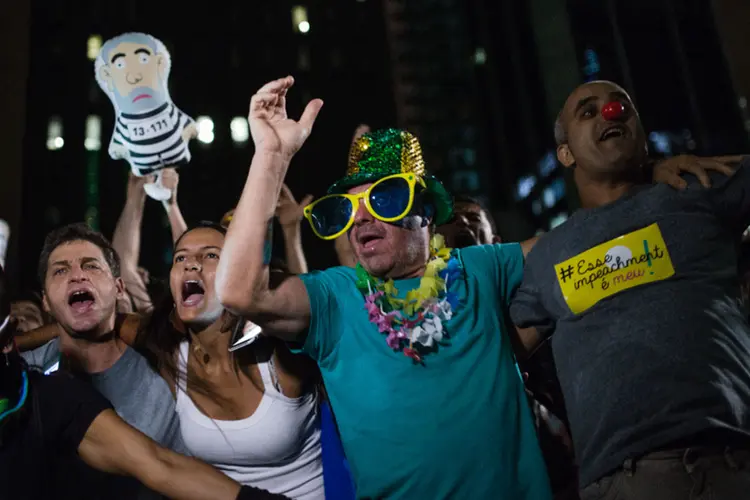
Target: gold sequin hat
381 153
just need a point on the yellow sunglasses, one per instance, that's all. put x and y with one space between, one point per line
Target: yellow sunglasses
389 199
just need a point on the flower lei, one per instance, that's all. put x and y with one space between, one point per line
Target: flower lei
415 323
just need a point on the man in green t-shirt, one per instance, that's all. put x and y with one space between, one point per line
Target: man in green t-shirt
412 343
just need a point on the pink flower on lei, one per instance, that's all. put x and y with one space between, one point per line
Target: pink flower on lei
384 321
373 309
394 339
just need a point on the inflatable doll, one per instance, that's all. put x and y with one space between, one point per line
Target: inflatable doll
150 132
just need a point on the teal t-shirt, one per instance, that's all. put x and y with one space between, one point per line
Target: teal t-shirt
457 427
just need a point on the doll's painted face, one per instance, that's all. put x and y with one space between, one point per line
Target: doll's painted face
134 73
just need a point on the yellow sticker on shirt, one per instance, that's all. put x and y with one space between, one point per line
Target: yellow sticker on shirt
627 261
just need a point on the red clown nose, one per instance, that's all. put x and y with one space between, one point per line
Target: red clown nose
613 111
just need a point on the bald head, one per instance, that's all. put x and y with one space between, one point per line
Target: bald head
600 145
561 131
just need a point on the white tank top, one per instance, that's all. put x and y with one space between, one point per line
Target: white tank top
277 448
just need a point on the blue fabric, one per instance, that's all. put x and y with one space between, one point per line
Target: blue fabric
457 427
337 477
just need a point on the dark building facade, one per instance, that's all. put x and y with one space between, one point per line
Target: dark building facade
667 53
434 85
468 80
14 34
479 81
220 57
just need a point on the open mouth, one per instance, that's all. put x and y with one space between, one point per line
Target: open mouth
81 301
192 293
367 240
615 131
464 238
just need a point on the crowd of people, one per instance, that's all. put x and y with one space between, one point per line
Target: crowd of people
606 359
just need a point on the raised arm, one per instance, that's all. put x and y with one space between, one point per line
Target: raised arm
126 241
242 274
170 179
37 337
290 214
111 445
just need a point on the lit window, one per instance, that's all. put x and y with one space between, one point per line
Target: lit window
55 133
480 56
299 19
557 220
554 193
661 142
548 164
549 198
524 187
93 140
240 130
93 47
205 129
591 68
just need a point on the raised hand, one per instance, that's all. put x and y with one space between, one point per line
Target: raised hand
144 274
272 130
288 211
669 171
135 184
170 179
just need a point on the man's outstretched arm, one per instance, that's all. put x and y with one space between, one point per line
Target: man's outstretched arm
242 275
111 445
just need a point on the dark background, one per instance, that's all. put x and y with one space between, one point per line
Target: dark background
479 81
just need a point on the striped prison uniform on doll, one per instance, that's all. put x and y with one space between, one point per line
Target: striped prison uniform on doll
152 140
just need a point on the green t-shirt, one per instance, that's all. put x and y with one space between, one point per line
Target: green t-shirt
458 426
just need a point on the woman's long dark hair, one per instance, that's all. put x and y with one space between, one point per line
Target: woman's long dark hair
159 338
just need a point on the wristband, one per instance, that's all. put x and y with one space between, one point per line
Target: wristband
250 493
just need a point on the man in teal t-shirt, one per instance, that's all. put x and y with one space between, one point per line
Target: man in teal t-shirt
412 344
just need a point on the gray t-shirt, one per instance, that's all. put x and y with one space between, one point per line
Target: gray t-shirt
139 395
650 341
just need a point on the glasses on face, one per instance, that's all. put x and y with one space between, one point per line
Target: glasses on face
389 199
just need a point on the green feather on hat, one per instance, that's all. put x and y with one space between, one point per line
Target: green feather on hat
387 152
